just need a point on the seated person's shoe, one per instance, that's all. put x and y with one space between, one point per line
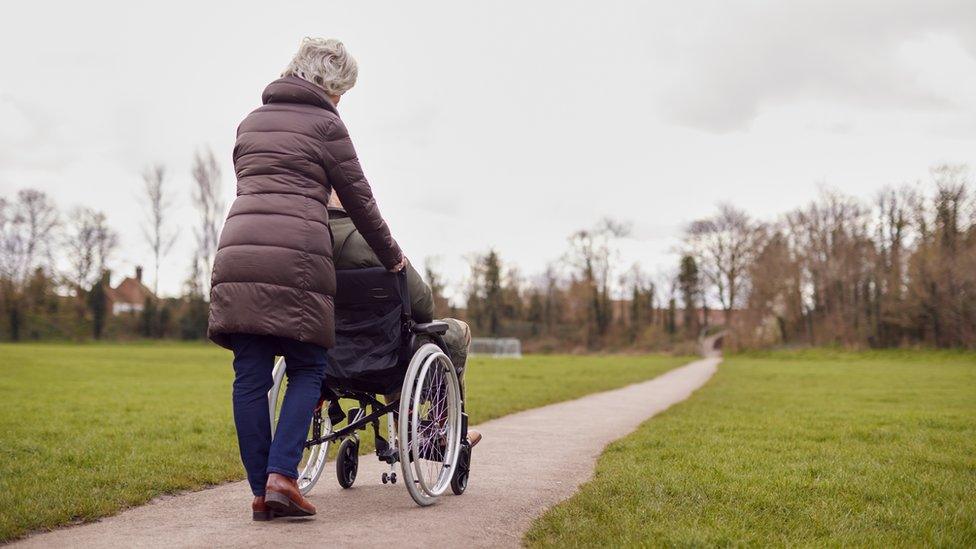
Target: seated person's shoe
436 452
260 510
284 498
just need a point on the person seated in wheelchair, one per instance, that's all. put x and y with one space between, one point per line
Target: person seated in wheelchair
351 251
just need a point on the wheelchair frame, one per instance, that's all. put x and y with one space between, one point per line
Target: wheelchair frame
380 409
357 419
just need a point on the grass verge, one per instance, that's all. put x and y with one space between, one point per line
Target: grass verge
86 430
813 448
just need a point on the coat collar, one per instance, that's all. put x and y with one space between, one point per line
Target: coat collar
292 89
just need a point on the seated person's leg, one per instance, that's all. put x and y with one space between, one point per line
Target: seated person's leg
458 340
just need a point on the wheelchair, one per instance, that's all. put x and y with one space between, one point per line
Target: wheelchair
380 350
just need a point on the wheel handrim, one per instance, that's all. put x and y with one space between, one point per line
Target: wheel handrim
434 425
315 457
406 445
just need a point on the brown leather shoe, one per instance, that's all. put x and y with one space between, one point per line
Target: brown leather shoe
260 510
285 499
474 437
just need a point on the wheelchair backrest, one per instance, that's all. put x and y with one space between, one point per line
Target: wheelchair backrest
372 286
372 309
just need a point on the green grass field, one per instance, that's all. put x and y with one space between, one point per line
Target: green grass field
86 430
814 448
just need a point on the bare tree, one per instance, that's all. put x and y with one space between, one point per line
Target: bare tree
11 241
41 220
157 204
724 245
942 280
553 298
642 291
593 252
11 254
893 224
774 309
210 205
831 239
27 229
91 243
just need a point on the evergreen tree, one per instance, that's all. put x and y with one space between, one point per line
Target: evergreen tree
690 286
98 305
494 302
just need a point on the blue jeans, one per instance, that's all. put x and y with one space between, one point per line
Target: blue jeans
254 357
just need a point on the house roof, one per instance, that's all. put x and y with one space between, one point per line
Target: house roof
130 290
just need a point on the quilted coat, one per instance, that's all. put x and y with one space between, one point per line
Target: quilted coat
273 273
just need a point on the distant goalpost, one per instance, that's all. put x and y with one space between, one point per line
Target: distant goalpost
497 347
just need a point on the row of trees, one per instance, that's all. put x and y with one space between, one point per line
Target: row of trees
55 266
900 270
584 300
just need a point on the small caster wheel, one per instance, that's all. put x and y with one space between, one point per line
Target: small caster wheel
385 478
392 478
347 462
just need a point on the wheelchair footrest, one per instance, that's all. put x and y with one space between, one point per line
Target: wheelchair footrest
336 415
385 452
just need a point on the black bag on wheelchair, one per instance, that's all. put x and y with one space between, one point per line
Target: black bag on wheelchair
371 308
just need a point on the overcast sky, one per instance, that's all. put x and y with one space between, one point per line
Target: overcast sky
505 124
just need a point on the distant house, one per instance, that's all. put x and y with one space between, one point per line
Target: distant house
130 295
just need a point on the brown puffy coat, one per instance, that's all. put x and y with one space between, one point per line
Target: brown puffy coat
273 273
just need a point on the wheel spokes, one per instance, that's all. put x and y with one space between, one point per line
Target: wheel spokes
434 444
430 423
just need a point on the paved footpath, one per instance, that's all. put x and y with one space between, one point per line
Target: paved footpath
527 462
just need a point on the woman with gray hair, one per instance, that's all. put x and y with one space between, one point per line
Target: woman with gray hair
273 277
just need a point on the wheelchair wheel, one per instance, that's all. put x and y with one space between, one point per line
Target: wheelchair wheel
347 462
429 424
313 459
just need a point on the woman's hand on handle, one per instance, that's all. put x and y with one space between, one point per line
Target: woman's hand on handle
401 265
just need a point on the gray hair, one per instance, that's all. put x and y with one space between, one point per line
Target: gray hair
325 63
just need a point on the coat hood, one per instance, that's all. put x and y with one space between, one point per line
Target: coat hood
292 89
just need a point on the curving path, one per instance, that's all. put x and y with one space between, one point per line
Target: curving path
527 462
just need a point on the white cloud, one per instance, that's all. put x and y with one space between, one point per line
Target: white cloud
863 54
